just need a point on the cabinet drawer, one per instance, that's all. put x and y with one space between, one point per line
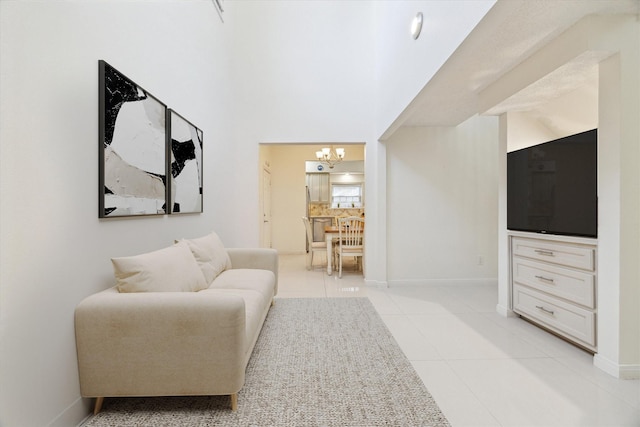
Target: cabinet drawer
573 285
574 322
558 253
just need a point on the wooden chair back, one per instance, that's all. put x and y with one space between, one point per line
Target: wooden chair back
351 232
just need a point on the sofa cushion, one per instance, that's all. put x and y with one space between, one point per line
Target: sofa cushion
210 254
172 269
263 281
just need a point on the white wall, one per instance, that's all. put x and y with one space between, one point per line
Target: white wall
307 76
54 249
619 202
274 76
442 192
618 107
619 210
404 65
568 114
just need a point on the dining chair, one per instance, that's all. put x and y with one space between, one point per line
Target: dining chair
313 246
350 240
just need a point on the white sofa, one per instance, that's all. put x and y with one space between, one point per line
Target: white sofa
168 342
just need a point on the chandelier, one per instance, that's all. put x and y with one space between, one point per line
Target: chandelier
330 157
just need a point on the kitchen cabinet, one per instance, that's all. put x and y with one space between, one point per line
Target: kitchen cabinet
319 188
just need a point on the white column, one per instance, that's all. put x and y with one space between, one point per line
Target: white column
504 296
619 210
375 259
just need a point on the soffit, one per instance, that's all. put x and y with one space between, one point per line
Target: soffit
510 32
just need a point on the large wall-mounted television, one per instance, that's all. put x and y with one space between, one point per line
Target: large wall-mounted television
552 187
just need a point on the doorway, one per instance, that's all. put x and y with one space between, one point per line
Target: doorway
286 164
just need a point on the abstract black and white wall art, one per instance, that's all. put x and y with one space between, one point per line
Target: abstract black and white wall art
133 148
185 192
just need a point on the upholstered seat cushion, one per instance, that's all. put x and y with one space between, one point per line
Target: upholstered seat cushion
262 281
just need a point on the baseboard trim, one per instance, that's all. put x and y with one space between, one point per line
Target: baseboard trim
505 311
376 283
623 372
443 282
74 415
630 372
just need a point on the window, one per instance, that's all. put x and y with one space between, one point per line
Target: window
346 196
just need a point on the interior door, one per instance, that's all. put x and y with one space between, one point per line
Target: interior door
266 209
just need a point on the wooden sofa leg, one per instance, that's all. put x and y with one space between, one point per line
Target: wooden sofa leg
234 402
98 407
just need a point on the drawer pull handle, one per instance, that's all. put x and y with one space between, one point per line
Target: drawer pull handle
544 252
546 279
539 307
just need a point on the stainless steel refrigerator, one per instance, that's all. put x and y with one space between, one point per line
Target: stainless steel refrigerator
318 223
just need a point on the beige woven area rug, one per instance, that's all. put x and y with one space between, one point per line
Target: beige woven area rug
317 362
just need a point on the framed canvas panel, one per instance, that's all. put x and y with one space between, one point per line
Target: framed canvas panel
185 151
133 148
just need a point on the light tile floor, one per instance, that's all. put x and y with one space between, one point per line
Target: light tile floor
483 369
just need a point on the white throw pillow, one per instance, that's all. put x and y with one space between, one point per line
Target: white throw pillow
210 254
173 269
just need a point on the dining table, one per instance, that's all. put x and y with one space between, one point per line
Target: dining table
331 233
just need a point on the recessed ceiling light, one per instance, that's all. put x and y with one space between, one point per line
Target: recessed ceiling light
416 25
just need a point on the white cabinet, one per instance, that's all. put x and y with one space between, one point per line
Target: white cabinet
319 189
556 252
553 284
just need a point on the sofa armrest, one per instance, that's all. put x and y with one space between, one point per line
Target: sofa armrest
160 343
259 258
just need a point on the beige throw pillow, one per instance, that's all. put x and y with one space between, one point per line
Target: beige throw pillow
210 254
173 269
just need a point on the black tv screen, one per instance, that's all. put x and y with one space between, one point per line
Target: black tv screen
552 187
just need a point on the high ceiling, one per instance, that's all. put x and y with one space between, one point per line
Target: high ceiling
511 32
